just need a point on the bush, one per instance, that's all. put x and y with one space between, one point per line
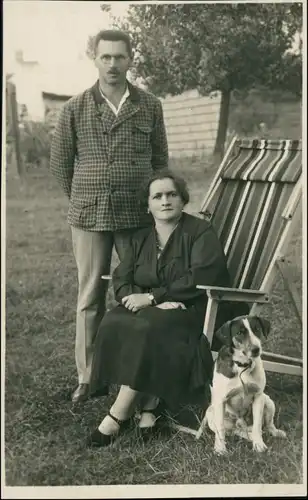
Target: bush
257 110
249 111
35 142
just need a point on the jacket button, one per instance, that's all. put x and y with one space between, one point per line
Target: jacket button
133 162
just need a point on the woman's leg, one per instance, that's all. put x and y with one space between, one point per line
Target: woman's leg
121 409
148 419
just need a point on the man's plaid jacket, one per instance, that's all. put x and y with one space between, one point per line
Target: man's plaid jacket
101 159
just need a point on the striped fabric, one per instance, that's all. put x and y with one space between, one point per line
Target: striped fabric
248 214
265 160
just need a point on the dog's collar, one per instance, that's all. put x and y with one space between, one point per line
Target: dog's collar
242 365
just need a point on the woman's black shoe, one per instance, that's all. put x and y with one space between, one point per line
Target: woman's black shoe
147 433
98 439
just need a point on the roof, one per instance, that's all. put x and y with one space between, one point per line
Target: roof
58 97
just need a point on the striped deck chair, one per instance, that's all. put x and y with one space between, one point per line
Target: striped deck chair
254 204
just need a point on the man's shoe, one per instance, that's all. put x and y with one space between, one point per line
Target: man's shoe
81 393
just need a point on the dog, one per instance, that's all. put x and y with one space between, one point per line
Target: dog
237 392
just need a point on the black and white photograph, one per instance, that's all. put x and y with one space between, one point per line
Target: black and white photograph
153 249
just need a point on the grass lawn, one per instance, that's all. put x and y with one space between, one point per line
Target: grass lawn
44 435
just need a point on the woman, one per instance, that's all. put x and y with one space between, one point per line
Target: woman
152 344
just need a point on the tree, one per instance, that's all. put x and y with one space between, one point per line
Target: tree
216 47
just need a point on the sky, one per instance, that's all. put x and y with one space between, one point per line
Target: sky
52 32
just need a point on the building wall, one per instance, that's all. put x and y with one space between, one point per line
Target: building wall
191 122
27 78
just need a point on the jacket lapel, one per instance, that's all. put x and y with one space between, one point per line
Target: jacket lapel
130 107
106 116
102 109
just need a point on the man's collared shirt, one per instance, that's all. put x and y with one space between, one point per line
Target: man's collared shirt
112 106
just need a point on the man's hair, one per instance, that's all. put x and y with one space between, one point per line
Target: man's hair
113 36
179 183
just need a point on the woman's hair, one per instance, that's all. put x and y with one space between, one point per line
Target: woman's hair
178 182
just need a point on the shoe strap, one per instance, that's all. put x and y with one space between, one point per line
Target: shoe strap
117 420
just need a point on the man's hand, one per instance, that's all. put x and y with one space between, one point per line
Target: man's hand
136 301
171 305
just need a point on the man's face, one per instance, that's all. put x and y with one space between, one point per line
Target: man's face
112 61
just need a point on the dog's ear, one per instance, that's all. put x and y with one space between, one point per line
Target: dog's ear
224 333
262 323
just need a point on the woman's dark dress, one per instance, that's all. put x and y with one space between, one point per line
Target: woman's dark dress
162 352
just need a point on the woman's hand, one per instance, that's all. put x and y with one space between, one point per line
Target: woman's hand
171 305
136 301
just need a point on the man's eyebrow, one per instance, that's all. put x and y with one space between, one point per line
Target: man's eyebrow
110 55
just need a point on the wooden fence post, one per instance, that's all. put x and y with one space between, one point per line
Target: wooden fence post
13 124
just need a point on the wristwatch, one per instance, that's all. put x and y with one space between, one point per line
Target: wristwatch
152 299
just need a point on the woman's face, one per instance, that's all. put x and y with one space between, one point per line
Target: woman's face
165 203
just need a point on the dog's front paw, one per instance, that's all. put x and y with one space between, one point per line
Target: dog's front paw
279 433
259 446
220 448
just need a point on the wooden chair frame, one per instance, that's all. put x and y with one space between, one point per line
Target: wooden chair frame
275 362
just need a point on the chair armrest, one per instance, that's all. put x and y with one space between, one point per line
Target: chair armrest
106 277
235 294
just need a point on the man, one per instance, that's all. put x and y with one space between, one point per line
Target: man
107 141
